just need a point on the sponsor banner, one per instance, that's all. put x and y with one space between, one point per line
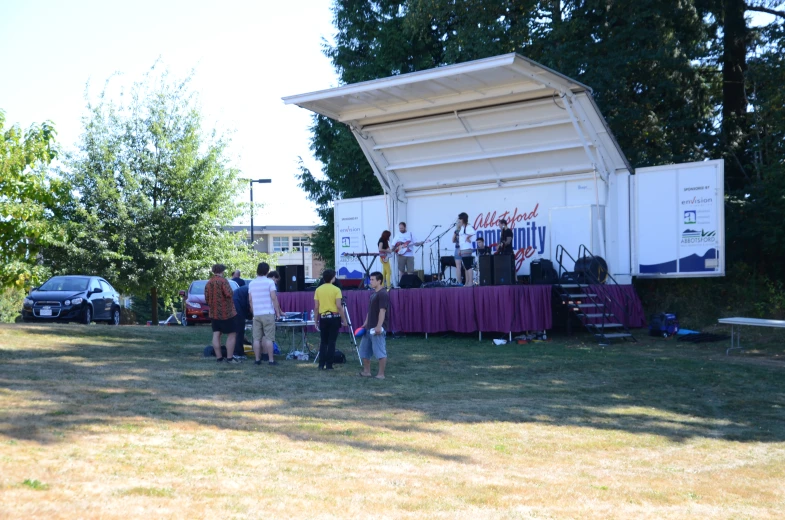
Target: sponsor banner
680 219
697 214
358 225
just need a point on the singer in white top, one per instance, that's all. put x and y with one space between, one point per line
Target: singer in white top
466 235
404 244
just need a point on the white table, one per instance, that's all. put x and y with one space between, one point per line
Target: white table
747 322
291 325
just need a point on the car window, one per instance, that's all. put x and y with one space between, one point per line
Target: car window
93 284
233 285
105 286
65 283
197 287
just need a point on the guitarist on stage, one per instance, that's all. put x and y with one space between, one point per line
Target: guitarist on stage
385 253
505 241
404 244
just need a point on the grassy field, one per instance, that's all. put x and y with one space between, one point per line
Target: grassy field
130 422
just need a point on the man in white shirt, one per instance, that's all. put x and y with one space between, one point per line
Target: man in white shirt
403 245
263 299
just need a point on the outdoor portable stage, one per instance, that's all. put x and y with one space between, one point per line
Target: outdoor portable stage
508 138
508 308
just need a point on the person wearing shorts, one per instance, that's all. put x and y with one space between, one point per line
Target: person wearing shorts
466 235
263 299
457 257
218 296
373 343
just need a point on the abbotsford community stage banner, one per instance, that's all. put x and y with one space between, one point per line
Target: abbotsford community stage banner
525 208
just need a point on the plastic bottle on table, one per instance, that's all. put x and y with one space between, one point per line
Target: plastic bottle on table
312 315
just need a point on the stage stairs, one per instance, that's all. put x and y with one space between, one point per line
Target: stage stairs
585 293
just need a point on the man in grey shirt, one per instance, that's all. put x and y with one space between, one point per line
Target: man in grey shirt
376 326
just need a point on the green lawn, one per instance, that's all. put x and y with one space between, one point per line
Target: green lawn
119 422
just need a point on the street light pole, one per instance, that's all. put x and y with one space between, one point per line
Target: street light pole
303 242
260 181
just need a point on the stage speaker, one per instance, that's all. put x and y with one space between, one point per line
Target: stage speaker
486 270
292 278
410 281
503 269
542 272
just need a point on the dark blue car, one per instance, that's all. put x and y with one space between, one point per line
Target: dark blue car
73 298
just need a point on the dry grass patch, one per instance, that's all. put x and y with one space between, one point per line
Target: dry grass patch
119 422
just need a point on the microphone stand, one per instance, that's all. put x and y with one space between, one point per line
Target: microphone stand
439 248
422 248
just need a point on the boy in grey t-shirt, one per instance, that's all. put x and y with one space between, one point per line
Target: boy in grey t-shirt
376 325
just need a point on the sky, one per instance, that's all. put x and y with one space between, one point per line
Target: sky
246 56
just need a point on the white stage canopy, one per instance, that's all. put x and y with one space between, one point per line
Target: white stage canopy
501 120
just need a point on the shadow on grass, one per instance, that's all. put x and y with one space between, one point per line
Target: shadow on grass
124 376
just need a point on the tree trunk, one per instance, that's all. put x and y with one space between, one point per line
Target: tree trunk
734 100
556 14
154 296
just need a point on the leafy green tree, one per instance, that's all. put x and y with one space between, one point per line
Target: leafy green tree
11 299
31 199
154 189
755 232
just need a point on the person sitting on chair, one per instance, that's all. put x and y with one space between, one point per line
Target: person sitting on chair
481 249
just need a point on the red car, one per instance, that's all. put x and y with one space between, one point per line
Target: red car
196 309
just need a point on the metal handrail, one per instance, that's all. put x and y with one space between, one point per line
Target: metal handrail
584 252
560 252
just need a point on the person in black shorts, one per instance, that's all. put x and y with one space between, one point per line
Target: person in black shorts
220 298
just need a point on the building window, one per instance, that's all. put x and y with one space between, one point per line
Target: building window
298 242
280 244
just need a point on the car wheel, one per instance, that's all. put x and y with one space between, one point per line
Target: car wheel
87 317
115 317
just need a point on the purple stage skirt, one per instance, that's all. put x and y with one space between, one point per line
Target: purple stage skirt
510 308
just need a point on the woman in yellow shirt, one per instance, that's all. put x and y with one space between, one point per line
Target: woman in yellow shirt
329 317
384 255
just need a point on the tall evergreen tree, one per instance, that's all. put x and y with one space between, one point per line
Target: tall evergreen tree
672 79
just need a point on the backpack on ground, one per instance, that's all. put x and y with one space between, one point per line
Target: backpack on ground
339 357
